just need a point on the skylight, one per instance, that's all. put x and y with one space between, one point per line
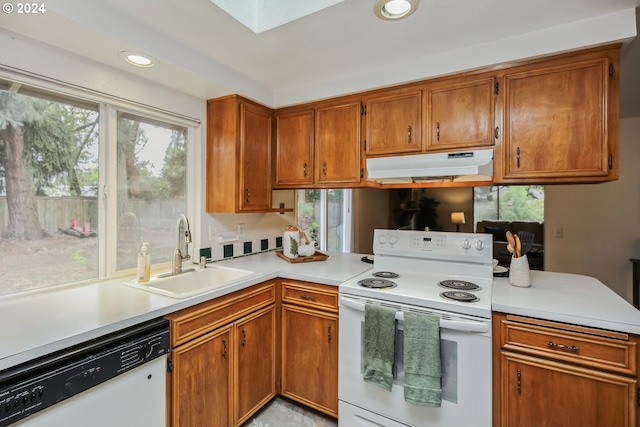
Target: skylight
263 15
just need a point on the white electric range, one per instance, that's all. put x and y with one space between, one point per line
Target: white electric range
444 274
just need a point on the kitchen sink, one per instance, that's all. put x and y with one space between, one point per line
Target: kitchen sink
191 283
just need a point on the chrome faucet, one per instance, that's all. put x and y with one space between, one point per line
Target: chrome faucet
176 266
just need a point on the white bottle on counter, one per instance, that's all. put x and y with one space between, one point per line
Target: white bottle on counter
144 263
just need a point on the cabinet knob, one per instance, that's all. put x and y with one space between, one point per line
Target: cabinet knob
248 198
409 134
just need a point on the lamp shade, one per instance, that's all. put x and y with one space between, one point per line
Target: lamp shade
457 218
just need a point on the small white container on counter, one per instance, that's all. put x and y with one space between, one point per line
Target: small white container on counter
290 243
519 272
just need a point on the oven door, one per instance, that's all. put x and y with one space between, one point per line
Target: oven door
465 343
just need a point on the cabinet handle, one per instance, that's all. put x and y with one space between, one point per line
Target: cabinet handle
518 157
244 337
556 346
304 168
248 194
329 333
224 349
409 134
519 382
324 168
438 131
308 297
496 133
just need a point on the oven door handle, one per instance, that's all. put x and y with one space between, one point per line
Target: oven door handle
456 325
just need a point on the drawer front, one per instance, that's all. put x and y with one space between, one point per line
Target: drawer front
615 355
309 294
194 321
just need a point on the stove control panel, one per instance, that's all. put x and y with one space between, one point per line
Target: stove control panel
468 247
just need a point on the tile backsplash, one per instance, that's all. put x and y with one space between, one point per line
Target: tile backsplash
261 232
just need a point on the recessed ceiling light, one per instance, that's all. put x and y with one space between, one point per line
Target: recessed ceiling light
137 59
394 9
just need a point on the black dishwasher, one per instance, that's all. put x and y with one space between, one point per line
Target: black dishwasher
38 384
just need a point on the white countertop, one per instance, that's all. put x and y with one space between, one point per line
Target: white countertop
35 324
569 298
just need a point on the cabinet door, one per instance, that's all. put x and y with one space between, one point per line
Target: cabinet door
201 383
538 393
557 122
294 149
394 123
310 358
255 158
256 362
338 147
460 115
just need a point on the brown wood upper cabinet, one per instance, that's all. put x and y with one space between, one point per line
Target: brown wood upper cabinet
318 145
560 120
394 122
294 148
459 113
238 155
338 146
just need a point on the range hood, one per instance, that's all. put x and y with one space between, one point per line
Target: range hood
460 166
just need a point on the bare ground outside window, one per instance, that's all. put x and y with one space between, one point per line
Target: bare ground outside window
29 264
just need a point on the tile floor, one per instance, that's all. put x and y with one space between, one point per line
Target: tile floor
281 412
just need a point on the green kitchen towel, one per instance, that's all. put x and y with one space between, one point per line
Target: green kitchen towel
422 368
379 345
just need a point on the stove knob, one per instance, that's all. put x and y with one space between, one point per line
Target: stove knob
479 245
466 244
393 240
382 239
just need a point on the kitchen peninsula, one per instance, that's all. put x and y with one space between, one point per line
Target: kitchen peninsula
47 321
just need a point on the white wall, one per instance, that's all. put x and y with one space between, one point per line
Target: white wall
600 222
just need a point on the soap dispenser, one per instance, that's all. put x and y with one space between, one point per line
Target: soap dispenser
144 263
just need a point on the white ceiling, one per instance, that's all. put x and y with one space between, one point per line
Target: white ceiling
203 51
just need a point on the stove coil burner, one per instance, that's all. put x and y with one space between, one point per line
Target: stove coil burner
459 296
459 285
377 283
386 274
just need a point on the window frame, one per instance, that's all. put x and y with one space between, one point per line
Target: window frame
108 107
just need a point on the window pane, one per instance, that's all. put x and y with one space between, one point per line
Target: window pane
48 189
324 214
335 220
151 187
509 203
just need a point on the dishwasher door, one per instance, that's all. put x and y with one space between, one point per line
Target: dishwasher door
135 398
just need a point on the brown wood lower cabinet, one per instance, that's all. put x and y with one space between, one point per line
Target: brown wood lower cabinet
310 344
556 374
223 359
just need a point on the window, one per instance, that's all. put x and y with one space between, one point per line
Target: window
326 215
151 159
72 193
509 203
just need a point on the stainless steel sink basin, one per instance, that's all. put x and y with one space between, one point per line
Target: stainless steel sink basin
193 283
